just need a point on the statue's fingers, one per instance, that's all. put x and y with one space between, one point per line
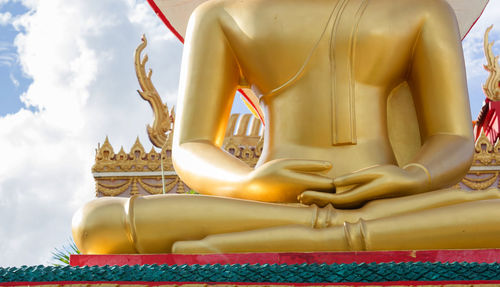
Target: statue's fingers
307 165
311 181
358 195
358 177
310 197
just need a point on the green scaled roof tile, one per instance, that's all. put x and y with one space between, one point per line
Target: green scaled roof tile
297 273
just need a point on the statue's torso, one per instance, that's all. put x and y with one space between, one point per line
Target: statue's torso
364 50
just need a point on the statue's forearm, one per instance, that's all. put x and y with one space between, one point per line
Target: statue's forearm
438 82
209 79
209 170
444 159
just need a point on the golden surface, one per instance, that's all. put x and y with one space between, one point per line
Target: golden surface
298 153
351 92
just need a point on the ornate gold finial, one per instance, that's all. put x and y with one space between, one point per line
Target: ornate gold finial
484 149
164 119
137 150
492 86
105 152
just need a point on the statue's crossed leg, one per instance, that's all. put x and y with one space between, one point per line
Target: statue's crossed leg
202 224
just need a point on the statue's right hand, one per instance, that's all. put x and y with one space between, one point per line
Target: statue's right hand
283 180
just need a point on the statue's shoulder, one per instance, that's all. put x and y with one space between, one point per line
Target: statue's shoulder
414 7
209 12
417 12
437 16
220 7
421 4
428 8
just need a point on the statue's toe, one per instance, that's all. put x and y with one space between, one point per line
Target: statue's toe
193 247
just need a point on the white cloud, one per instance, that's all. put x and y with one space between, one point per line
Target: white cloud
3 2
5 18
14 80
7 59
80 57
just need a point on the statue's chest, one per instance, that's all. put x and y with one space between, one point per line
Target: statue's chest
362 36
353 41
342 40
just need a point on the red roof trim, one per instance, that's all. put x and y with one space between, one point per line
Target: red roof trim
165 20
475 21
253 106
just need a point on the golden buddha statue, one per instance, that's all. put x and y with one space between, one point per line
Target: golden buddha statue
338 171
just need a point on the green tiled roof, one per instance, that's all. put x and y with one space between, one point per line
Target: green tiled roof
297 273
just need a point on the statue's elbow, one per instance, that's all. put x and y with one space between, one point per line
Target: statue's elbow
177 158
469 154
466 158
183 161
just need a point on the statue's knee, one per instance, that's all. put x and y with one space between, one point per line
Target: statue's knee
100 227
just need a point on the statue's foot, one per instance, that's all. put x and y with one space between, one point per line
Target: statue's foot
289 238
194 247
102 227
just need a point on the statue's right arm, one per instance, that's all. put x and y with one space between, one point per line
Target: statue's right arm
210 76
436 76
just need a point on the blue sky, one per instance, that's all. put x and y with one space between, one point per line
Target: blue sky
67 81
13 81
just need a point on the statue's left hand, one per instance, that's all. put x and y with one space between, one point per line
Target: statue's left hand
369 184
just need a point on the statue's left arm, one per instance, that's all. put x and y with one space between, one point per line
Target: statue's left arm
210 75
439 86
436 76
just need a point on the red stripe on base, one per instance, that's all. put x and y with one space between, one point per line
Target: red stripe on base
472 255
165 20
